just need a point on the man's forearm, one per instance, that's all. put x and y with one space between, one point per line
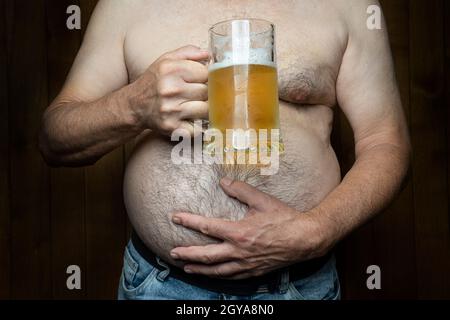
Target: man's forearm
367 188
78 133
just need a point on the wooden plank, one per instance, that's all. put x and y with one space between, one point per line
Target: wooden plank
27 88
105 215
447 89
67 185
354 255
105 225
429 140
394 228
5 222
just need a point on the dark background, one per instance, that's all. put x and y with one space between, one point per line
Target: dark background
52 218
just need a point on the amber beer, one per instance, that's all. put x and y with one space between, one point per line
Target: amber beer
242 83
243 96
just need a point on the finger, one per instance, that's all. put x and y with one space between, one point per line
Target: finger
214 227
194 110
192 71
188 52
194 91
222 270
245 193
209 254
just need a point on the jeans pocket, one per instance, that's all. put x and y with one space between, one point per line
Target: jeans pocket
322 285
136 273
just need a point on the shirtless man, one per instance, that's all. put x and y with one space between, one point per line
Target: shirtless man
135 76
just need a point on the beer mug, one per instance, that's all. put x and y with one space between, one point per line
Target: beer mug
243 83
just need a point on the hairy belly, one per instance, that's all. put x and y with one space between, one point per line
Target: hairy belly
154 187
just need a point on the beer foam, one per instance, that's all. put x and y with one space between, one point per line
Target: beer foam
261 56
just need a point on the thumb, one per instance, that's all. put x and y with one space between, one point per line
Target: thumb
189 52
244 192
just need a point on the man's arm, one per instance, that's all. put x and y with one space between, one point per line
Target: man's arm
92 114
368 95
97 111
272 234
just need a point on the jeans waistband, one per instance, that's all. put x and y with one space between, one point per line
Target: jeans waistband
274 281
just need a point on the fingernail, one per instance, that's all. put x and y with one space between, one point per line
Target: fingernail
227 181
174 255
176 219
187 270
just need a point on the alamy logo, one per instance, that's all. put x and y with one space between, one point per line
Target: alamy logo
235 146
374 20
74 280
74 20
374 280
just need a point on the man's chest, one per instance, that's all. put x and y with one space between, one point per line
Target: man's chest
310 41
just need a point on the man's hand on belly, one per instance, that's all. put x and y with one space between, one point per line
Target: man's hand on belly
272 235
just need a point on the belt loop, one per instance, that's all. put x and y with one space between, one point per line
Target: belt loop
284 281
162 274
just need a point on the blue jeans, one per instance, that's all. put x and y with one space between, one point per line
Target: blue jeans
142 281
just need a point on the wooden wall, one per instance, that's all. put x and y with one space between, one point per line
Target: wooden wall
52 218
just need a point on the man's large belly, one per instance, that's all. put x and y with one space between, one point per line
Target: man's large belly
154 187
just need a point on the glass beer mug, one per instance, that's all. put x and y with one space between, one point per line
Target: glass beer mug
243 84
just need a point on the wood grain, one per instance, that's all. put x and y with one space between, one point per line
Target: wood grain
105 225
429 140
29 193
447 90
5 219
